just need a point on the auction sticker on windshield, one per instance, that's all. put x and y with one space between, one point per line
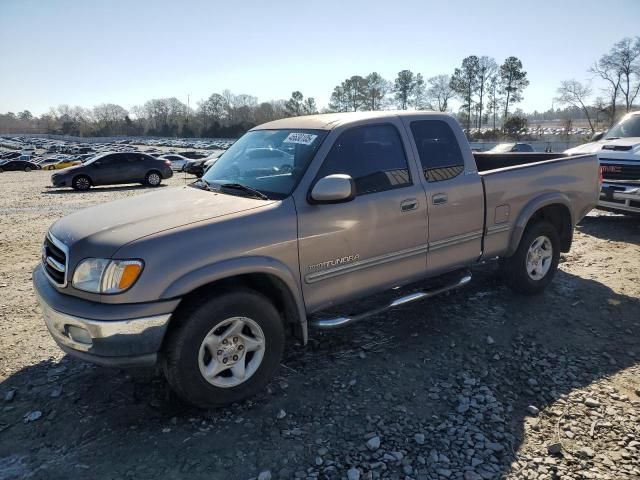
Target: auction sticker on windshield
303 138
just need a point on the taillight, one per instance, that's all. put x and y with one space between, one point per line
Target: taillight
600 176
167 163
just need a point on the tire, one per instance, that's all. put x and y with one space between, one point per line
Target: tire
531 278
1 170
81 183
153 178
51 167
185 357
27 169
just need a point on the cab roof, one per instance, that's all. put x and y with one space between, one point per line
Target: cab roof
329 121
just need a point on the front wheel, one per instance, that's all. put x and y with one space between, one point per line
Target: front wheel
224 349
81 183
532 267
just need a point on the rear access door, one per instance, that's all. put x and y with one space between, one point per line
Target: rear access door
455 198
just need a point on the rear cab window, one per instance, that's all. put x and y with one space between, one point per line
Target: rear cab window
438 149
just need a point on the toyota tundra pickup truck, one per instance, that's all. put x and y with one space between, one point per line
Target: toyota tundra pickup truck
315 221
619 153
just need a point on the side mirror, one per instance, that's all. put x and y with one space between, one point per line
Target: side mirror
597 136
335 188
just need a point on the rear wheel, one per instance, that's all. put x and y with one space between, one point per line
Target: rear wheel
153 178
225 349
81 183
27 169
532 267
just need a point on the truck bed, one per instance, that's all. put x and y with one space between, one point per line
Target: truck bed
492 161
511 181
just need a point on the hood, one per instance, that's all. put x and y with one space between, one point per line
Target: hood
629 145
110 226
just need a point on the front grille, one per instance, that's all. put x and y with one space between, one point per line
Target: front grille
54 260
614 170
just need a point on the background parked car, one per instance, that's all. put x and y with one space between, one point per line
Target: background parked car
60 164
114 169
177 161
18 165
511 147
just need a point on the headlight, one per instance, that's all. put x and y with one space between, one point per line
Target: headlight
100 275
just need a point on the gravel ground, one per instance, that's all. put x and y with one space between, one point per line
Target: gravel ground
477 384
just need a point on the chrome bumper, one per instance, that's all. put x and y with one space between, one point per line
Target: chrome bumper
120 343
620 197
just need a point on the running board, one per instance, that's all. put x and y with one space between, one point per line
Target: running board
330 323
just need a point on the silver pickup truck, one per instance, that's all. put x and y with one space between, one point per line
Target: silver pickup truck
300 217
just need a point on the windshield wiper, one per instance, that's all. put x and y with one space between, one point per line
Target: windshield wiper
245 188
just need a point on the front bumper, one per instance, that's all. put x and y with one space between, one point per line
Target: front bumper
620 197
60 182
128 341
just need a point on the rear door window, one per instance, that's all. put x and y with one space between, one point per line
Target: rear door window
372 155
438 148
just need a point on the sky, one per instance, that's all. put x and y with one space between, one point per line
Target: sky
86 52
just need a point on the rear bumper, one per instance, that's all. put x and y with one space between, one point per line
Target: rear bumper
620 197
128 341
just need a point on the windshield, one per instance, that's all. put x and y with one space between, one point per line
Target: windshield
628 127
270 161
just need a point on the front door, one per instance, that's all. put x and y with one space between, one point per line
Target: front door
455 198
377 240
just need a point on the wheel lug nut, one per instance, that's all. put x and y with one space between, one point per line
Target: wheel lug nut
219 352
235 339
225 360
225 341
235 357
240 347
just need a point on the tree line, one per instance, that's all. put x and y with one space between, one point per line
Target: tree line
619 71
486 91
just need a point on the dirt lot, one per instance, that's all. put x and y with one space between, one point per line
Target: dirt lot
476 384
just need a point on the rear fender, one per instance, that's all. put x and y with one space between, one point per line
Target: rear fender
529 210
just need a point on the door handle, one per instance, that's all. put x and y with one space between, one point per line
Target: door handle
408 205
439 198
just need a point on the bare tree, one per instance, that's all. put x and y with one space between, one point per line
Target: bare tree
626 56
607 69
439 92
572 92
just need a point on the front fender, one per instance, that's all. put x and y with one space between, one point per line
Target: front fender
241 266
553 198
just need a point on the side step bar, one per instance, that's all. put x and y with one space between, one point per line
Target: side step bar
330 323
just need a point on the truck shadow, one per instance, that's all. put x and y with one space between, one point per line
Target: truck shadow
617 228
397 375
